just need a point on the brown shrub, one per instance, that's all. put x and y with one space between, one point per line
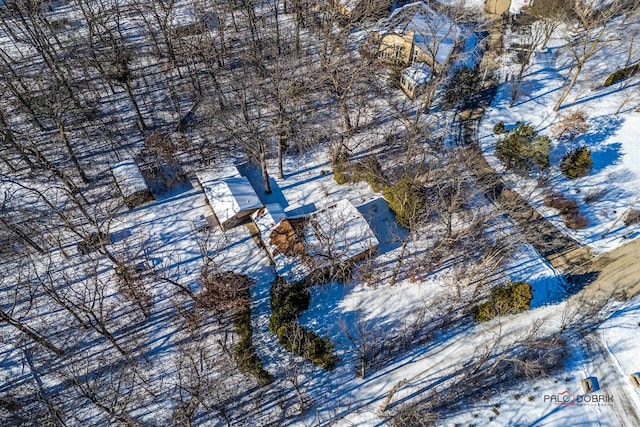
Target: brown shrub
568 208
560 202
224 290
633 217
575 220
570 125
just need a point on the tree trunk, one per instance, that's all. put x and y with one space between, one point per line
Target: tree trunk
63 134
30 333
265 172
143 125
568 89
346 119
280 150
393 391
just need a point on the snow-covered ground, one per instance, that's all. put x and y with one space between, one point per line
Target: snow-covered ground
380 308
612 135
370 307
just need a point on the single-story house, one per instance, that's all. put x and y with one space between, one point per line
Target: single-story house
131 183
416 33
309 247
230 195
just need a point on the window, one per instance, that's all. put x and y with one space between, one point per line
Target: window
415 53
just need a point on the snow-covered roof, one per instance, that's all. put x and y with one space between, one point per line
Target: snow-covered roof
129 178
477 4
268 217
434 32
228 193
300 246
339 232
418 73
516 5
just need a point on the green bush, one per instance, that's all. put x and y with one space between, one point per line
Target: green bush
406 199
369 171
499 128
522 149
340 166
576 163
287 302
244 351
621 74
509 299
307 344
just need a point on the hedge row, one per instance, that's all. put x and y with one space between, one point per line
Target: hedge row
287 303
244 351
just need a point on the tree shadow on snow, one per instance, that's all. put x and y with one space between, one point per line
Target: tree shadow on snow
254 175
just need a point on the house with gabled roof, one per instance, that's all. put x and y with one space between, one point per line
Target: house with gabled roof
309 247
230 195
417 33
131 183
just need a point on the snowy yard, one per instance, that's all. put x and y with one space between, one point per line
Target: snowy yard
612 137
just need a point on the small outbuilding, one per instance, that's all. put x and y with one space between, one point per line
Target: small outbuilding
635 380
590 385
230 195
414 79
131 183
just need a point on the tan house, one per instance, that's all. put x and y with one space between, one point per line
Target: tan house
416 33
497 7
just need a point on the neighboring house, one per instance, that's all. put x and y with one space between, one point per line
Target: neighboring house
131 183
416 33
230 195
499 7
307 248
414 79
